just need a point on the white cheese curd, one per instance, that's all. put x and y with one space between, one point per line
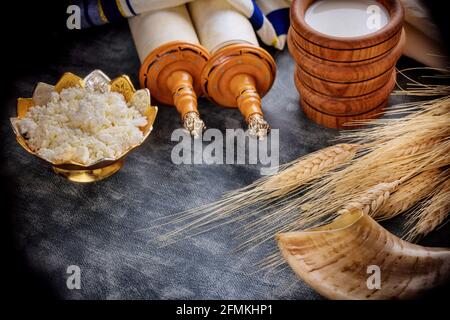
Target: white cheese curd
82 126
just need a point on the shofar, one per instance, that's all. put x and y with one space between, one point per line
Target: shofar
172 60
239 71
343 259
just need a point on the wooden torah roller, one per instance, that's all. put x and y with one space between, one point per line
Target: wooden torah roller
234 60
346 49
234 72
172 73
176 59
172 59
239 72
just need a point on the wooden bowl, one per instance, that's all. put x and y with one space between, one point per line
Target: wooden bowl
341 106
343 89
346 71
347 49
339 122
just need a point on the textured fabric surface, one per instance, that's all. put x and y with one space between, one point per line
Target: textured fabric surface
269 18
57 223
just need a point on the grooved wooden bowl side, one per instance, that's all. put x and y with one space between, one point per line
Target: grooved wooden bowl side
345 55
345 79
346 71
339 122
343 89
330 62
341 106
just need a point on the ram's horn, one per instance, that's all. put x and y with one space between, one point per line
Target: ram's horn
353 257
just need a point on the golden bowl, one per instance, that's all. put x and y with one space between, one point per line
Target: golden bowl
98 81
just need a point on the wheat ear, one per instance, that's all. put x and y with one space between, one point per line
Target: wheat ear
409 194
415 147
391 150
432 214
293 174
303 170
370 201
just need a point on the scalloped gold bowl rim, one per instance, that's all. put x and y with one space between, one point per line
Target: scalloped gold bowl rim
124 86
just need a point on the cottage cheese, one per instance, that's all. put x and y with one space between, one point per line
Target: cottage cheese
83 126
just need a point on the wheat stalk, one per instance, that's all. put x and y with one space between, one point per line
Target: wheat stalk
262 192
323 199
380 197
370 201
303 170
427 114
415 147
433 213
308 193
416 88
409 194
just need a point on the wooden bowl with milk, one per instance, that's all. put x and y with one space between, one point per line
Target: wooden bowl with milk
345 51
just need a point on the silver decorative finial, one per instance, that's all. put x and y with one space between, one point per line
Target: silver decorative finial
257 126
193 123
